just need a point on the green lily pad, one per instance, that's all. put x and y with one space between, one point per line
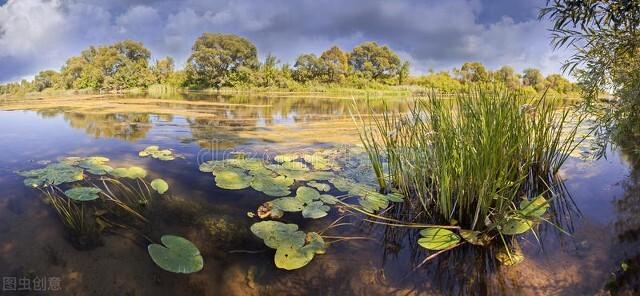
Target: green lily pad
294 248
83 193
319 186
288 204
276 234
232 178
294 166
95 165
210 166
315 210
534 208
328 199
155 152
160 186
178 255
437 239
133 172
52 174
515 226
307 194
272 186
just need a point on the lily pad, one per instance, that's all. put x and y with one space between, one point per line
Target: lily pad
210 166
177 254
288 204
272 186
95 165
232 178
515 226
435 239
328 199
160 186
307 194
319 186
155 152
295 166
286 157
276 234
83 193
133 172
315 210
534 208
53 174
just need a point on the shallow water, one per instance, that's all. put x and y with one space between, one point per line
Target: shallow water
602 215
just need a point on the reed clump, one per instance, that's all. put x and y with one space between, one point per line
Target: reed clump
471 158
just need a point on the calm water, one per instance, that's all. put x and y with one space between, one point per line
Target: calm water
602 215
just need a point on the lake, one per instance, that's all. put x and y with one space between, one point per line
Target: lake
600 212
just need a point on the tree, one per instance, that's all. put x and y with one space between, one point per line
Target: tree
441 81
163 69
45 79
374 61
473 72
218 59
334 64
534 78
560 84
307 67
403 73
508 76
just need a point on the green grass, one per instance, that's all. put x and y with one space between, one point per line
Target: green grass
471 157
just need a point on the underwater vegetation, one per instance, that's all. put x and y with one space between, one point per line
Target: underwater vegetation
482 165
92 197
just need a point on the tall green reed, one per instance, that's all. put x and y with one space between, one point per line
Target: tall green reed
470 158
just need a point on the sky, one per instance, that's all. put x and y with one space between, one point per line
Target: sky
432 34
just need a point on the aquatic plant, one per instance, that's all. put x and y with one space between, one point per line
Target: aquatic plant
176 254
157 153
52 174
83 193
470 161
159 185
132 172
294 248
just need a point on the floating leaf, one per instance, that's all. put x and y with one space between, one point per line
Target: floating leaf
295 166
267 209
56 174
328 199
534 208
272 186
177 255
160 186
438 239
133 172
515 226
320 186
307 194
210 166
232 178
288 204
83 193
95 165
294 248
155 152
276 233
315 210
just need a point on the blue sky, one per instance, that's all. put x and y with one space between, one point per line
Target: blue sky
431 34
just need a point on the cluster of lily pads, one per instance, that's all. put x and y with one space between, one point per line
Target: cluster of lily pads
157 153
314 175
177 254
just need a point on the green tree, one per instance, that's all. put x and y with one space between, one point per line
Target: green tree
374 61
334 64
560 84
473 72
534 78
218 60
508 76
162 69
403 73
442 81
307 68
45 79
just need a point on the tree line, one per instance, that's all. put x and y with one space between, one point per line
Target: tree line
225 60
